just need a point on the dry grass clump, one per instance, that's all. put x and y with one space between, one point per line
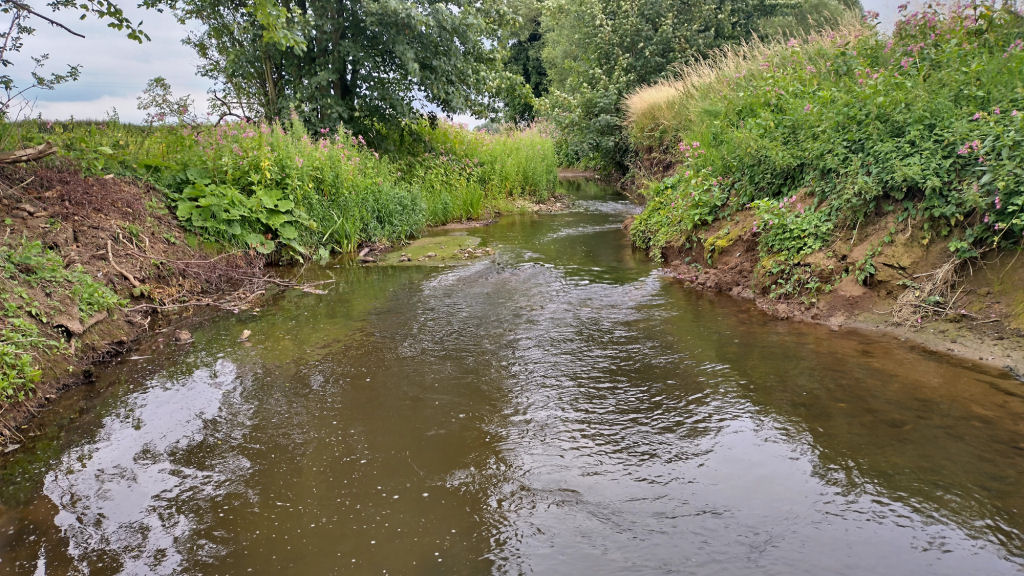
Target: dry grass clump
931 293
656 111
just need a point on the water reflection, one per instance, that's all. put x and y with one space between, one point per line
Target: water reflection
559 408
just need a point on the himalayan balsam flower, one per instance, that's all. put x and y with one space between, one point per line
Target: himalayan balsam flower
807 108
969 147
977 116
998 203
996 111
985 220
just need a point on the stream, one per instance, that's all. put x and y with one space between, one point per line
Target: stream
561 407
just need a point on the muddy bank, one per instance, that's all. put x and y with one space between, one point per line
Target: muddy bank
979 316
121 235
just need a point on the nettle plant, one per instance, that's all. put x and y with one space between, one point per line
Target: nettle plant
790 229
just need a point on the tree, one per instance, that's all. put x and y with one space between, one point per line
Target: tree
23 14
525 63
351 61
162 106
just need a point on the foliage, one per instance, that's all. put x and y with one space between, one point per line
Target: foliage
162 106
790 230
525 60
30 262
926 123
264 187
349 62
597 51
676 207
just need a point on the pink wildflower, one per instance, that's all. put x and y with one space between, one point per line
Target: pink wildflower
969 147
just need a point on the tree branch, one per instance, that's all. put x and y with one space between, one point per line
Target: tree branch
26 8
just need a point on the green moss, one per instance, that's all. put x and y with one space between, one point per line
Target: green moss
434 251
722 239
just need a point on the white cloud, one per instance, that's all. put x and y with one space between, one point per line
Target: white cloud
99 108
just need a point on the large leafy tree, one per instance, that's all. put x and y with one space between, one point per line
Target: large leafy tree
596 51
21 17
350 61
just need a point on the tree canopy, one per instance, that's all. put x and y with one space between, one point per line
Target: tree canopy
350 61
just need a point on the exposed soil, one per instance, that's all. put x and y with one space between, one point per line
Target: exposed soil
980 319
120 232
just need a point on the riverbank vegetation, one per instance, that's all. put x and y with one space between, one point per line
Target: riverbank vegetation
806 143
269 186
323 138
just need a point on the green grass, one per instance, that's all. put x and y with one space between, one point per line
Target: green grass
925 124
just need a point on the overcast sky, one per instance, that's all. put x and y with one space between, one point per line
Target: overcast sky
115 69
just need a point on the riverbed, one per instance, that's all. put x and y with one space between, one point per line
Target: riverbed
558 407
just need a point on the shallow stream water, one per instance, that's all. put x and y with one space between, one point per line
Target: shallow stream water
559 408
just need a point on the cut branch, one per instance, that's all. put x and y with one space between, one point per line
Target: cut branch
28 154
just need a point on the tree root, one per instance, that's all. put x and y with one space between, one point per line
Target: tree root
128 276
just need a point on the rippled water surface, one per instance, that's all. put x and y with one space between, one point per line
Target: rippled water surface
560 408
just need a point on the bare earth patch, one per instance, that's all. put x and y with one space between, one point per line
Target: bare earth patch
122 235
981 318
